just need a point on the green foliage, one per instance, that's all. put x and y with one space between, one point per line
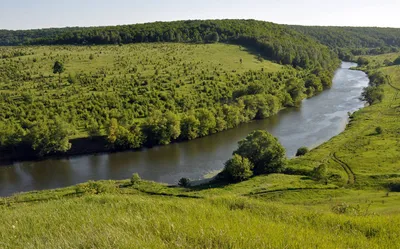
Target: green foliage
238 168
135 179
11 134
354 41
281 43
212 37
207 122
58 68
320 172
184 182
264 151
372 94
123 138
50 137
92 187
201 90
302 151
162 128
189 127
377 78
345 208
378 130
362 61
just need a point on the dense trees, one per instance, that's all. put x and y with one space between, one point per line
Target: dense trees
50 137
162 128
374 93
122 138
354 41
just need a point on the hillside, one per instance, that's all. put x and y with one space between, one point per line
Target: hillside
357 207
116 93
354 40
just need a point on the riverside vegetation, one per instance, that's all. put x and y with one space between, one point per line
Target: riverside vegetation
342 194
150 94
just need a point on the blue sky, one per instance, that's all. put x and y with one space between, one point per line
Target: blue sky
24 14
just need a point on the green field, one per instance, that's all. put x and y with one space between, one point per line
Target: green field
356 208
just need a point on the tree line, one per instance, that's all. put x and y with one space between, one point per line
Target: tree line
348 42
278 42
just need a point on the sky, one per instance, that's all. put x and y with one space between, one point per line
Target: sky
25 14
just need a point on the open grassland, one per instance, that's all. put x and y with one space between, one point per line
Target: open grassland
140 221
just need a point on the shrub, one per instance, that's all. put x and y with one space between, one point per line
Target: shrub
184 182
372 94
344 208
378 130
362 61
320 173
92 187
238 168
302 151
264 151
135 179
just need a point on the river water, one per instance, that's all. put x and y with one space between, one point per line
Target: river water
319 119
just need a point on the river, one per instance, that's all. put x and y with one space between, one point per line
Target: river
316 121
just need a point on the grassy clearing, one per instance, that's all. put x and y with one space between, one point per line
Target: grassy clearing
274 211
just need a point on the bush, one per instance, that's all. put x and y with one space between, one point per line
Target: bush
372 95
302 151
135 179
238 168
362 61
379 130
344 208
92 187
264 151
320 173
184 182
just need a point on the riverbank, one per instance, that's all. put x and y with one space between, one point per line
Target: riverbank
288 209
319 118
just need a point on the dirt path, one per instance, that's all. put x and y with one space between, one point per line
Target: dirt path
350 174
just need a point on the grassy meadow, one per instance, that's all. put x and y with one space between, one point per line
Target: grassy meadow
356 208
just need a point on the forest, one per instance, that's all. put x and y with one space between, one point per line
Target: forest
348 42
198 78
